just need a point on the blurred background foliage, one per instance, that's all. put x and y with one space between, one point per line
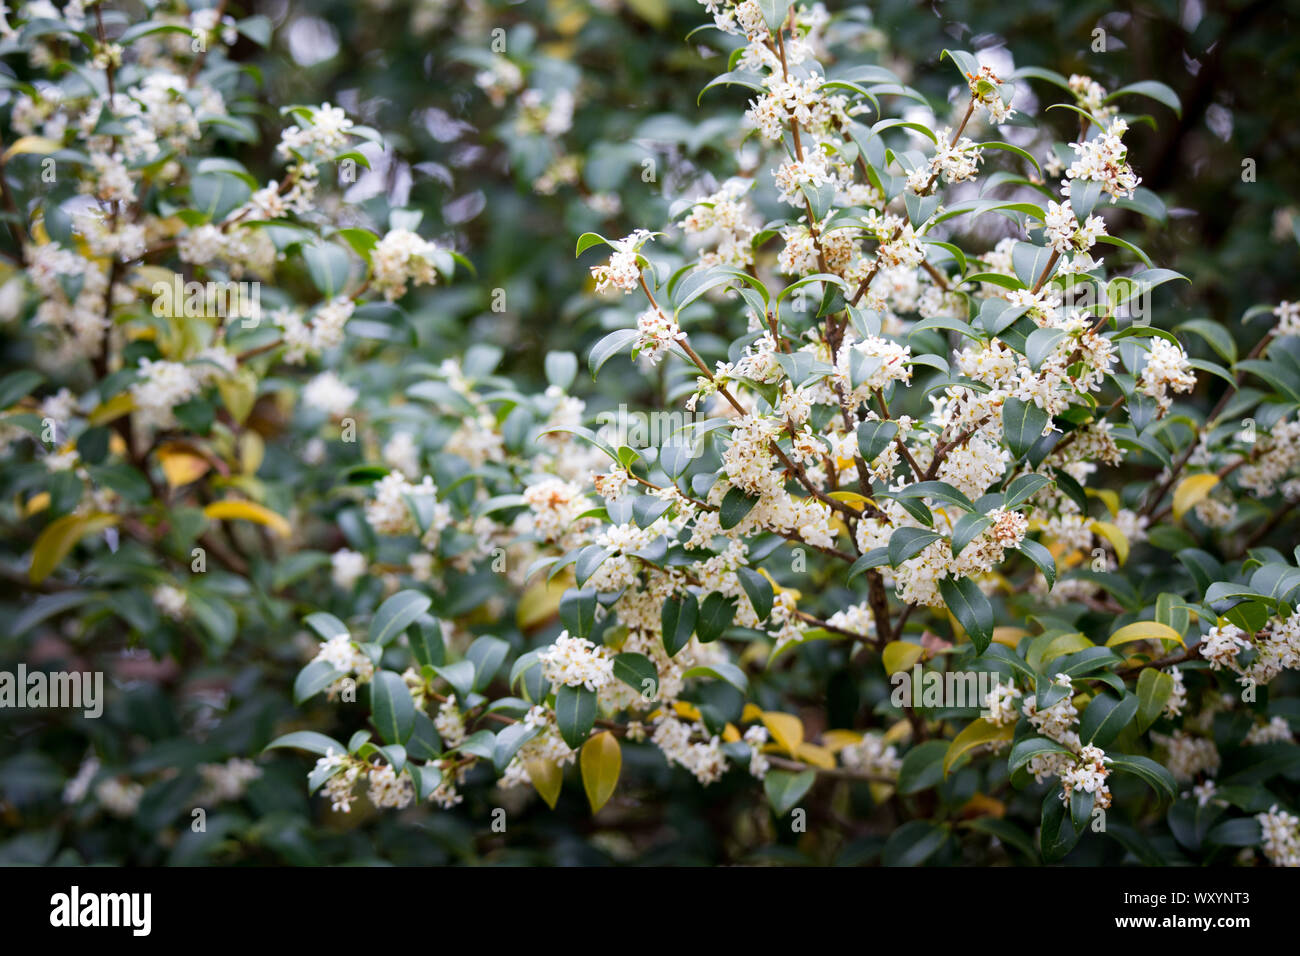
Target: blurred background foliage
637 139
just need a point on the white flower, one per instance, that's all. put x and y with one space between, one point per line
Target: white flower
170 601
1281 836
403 257
622 272
346 568
577 662
330 394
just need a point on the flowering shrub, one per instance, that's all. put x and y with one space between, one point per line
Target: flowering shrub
893 543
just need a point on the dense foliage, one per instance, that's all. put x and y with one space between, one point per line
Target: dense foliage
944 513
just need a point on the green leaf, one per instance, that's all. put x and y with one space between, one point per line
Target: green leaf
874 438
578 612
922 767
307 740
1150 88
1154 688
716 614
1153 774
971 608
730 673
907 543
1041 557
914 842
391 707
1027 748
326 625
611 345
313 679
1022 423
735 505
575 714
678 617
759 591
784 789
508 742
636 670
396 614
875 558
967 529
1105 717
1022 489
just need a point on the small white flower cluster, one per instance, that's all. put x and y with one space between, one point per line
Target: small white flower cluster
872 755
577 662
1281 836
1274 462
985 88
170 601
548 747
656 332
1001 704
1166 370
324 332
1276 731
1066 234
345 657
1089 775
450 722
1189 756
1104 159
162 387
756 736
226 781
703 758
347 567
1056 722
392 510
402 257
1275 648
330 394
623 272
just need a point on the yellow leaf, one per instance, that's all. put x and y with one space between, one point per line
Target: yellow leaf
600 762
851 498
1118 540
786 730
1144 631
59 537
1008 636
547 778
1065 644
233 508
837 740
751 712
776 588
30 144
982 805
1106 495
816 756
977 732
1191 491
730 734
239 393
653 11
37 502
114 408
181 466
687 710
901 730
900 656
541 602
251 452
